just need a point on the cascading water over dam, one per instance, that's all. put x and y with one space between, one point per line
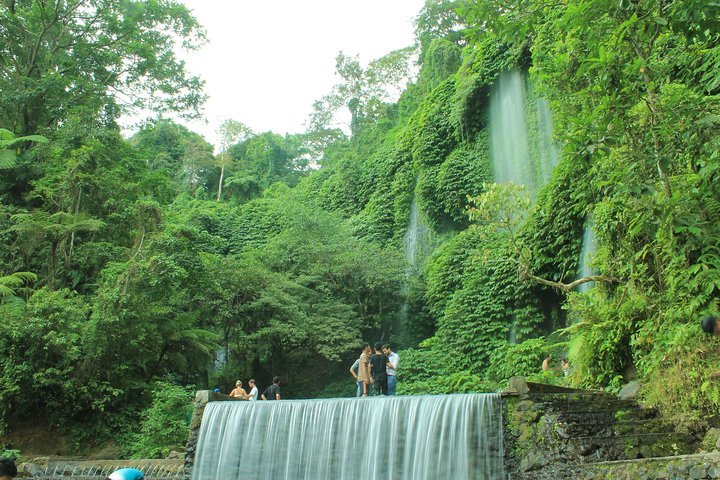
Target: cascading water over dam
398 438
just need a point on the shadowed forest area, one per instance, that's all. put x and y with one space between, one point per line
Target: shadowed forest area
548 181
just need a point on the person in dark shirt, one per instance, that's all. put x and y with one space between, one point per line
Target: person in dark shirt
378 369
273 391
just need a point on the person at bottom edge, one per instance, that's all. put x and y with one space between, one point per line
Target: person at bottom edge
126 474
8 470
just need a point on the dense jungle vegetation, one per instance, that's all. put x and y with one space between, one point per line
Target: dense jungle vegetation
134 271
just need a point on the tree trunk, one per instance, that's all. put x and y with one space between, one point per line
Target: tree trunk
222 174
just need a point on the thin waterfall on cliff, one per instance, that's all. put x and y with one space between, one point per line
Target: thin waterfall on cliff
416 241
547 151
388 438
589 246
509 144
521 142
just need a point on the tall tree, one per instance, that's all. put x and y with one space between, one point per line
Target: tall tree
186 156
93 59
230 132
364 91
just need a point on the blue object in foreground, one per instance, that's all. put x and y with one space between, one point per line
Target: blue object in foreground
126 474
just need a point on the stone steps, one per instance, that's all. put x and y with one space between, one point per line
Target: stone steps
696 467
551 433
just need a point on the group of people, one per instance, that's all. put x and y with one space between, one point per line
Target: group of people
271 393
376 372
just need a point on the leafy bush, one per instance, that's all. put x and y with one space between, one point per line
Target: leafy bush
164 425
429 370
522 360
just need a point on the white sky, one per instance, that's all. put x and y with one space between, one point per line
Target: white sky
267 62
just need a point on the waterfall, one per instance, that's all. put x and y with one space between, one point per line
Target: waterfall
589 246
393 438
508 132
220 359
547 151
416 240
521 142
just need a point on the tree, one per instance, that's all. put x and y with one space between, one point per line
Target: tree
504 207
9 283
439 19
184 155
93 60
230 132
364 91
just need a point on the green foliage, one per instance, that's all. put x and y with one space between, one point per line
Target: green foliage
44 350
440 61
10 453
363 90
438 21
164 425
8 156
599 349
429 370
62 62
461 176
517 360
9 283
183 155
432 135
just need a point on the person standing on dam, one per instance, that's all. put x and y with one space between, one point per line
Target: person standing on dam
364 378
273 391
392 365
378 364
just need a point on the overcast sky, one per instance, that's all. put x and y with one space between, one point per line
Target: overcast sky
267 62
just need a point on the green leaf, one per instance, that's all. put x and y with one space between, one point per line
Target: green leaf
7 159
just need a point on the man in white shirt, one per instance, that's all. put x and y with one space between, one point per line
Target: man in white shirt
393 362
252 396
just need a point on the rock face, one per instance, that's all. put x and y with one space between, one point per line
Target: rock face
570 434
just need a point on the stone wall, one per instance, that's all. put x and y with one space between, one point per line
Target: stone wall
682 467
572 434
